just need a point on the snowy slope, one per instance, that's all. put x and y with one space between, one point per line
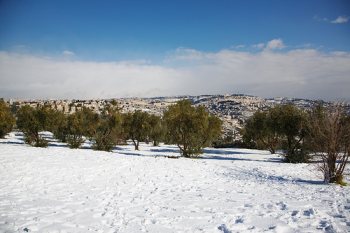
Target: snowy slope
58 189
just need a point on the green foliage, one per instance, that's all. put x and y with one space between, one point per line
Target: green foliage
191 128
60 126
136 127
75 129
41 142
293 126
6 119
282 126
262 131
31 121
82 123
89 122
156 129
108 130
48 117
229 140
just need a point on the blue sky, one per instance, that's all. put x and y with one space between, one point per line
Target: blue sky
107 30
70 48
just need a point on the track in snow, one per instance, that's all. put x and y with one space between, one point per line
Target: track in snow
58 189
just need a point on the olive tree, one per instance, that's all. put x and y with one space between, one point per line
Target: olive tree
108 129
75 129
60 126
7 120
191 128
31 121
156 129
283 126
136 127
294 129
262 130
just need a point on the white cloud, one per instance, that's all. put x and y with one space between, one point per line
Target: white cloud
275 44
307 73
259 46
270 45
340 19
68 53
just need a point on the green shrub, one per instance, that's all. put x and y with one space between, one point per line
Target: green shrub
6 119
283 126
31 121
75 130
74 141
136 127
108 129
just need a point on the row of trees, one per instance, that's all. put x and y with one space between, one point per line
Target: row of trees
324 132
190 128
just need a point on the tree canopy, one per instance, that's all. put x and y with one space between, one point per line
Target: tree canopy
191 128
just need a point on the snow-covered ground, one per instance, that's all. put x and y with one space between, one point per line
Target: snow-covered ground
57 189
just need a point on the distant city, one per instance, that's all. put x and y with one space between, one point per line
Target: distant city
232 109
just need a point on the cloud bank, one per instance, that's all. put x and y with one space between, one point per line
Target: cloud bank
306 73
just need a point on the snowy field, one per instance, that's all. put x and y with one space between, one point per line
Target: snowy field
57 189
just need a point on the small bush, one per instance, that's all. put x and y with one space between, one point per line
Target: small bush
102 142
74 141
330 139
297 157
75 130
41 143
59 127
36 141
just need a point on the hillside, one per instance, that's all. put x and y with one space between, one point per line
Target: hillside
233 109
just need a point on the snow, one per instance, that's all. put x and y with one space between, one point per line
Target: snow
57 189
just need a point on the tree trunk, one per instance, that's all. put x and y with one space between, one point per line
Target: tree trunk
338 179
183 151
136 144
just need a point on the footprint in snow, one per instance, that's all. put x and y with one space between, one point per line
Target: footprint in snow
239 219
326 226
295 213
224 229
282 205
310 212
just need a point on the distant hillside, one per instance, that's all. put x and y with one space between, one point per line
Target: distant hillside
233 109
